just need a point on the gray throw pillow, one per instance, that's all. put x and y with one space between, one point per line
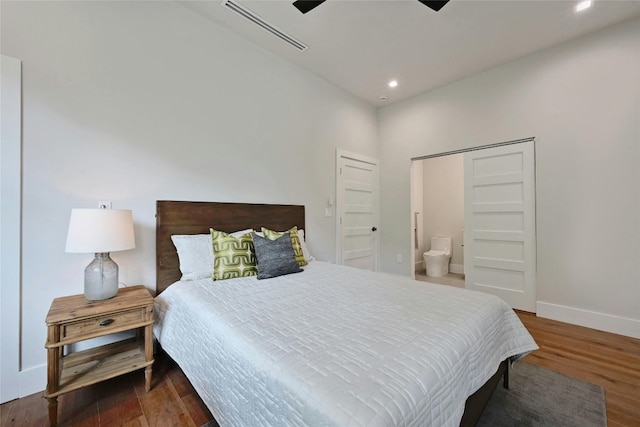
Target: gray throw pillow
275 257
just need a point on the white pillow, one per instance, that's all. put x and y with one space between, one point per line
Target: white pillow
195 253
303 244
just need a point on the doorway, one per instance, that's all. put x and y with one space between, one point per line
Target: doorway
499 244
438 201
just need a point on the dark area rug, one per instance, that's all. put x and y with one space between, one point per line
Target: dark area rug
541 397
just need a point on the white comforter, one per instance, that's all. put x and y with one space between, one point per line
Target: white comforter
336 346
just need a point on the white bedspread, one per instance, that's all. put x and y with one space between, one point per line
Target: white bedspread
336 346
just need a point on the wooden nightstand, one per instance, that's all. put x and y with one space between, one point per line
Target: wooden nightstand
74 318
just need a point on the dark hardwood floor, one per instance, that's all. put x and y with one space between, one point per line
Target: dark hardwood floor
612 361
121 401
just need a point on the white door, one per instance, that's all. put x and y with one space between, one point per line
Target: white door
10 204
499 222
357 210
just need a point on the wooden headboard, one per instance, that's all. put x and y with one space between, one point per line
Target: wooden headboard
176 217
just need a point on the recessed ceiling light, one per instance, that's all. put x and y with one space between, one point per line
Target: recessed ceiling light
393 83
586 4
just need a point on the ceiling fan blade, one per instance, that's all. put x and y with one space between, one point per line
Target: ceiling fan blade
435 5
305 6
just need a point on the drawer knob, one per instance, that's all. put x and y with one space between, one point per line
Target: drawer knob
106 322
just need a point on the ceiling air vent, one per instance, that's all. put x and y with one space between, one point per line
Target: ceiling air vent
251 16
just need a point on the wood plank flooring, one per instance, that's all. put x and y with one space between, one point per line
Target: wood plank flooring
121 401
612 361
609 360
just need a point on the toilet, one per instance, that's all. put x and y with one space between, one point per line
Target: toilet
437 259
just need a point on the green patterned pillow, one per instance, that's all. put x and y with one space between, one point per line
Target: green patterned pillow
295 242
232 256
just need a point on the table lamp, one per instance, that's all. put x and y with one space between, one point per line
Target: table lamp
100 231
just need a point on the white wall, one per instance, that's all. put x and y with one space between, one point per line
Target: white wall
581 101
444 204
138 101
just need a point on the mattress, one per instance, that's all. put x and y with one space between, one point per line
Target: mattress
336 346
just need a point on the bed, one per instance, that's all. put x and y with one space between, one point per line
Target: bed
331 345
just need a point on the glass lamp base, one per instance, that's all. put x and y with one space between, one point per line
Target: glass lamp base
101 278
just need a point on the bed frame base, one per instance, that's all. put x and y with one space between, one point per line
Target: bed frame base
477 401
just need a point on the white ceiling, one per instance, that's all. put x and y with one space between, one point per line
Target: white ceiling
359 45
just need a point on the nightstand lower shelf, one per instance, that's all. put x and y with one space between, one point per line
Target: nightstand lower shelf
74 318
100 363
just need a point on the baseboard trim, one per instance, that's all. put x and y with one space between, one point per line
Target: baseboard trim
590 319
32 380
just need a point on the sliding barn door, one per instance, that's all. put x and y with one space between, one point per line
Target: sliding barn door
499 217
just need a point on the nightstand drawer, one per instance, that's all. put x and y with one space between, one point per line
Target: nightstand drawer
103 324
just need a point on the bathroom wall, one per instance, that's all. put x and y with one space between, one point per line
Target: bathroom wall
417 209
443 205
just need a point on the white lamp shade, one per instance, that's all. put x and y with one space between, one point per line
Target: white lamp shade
100 230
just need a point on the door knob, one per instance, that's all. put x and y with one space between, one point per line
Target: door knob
374 229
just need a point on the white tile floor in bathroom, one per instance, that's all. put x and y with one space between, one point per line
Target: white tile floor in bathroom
451 279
